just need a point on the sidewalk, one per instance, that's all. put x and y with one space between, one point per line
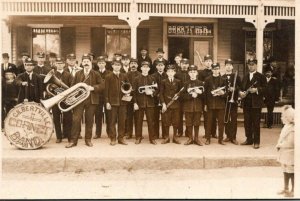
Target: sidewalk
55 157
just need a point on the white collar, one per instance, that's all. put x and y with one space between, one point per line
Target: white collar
102 70
160 72
252 72
41 65
60 71
29 73
116 73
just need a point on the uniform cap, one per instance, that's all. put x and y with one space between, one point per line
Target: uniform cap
145 63
101 58
71 56
160 50
228 61
40 55
192 67
133 60
5 55
207 57
215 65
125 56
52 54
185 61
25 54
86 56
171 67
29 61
59 60
252 61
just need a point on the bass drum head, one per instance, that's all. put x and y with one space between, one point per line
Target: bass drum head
28 125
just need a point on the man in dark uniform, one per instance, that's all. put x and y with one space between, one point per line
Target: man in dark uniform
160 57
125 63
215 102
101 65
193 101
203 74
252 92
177 60
231 124
64 76
144 102
183 76
89 105
272 94
159 75
41 68
168 89
114 103
31 86
52 60
21 67
6 66
131 115
144 56
71 64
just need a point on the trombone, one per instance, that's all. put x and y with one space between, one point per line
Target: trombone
227 114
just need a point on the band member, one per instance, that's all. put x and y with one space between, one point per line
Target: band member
89 105
203 74
101 65
131 115
144 56
31 86
6 66
177 60
272 94
252 92
183 76
21 67
64 76
168 89
144 92
215 102
159 75
231 122
125 63
160 57
71 64
193 97
52 60
41 68
114 103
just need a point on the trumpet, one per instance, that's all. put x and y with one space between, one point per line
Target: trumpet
69 98
195 89
215 92
144 88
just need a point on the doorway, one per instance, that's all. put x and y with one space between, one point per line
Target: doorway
177 44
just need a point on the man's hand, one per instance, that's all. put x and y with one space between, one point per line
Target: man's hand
198 91
24 83
220 93
91 88
231 89
148 91
108 106
205 108
253 90
135 106
242 94
194 94
164 108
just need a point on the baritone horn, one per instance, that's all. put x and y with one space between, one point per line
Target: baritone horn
69 98
55 85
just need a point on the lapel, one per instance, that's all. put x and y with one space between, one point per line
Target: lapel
246 80
254 78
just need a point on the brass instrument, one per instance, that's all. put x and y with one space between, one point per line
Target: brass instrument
194 89
55 85
69 98
144 88
227 114
214 92
126 89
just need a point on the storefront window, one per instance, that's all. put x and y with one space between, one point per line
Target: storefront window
117 41
45 40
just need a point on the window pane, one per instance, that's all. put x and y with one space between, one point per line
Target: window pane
52 43
38 44
112 41
125 42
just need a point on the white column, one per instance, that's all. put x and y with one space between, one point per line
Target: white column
133 38
6 37
259 48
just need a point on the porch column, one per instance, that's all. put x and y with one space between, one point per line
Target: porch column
5 37
133 40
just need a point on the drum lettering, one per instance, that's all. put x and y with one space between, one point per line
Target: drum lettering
26 142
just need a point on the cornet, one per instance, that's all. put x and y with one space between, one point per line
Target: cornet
144 88
194 89
215 92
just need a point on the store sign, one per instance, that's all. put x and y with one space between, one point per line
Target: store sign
190 29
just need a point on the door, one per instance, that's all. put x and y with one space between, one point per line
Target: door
203 47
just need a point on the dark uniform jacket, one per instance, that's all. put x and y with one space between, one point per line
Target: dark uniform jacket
103 76
168 90
183 76
254 100
212 83
122 70
65 77
158 79
35 87
113 93
272 91
229 83
21 68
142 99
94 79
41 70
203 74
10 68
191 104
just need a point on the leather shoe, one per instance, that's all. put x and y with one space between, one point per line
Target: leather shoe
122 142
58 140
138 141
113 142
80 137
153 142
71 144
167 140
256 146
175 141
234 142
221 142
281 192
188 142
88 143
207 142
227 139
96 137
198 142
247 143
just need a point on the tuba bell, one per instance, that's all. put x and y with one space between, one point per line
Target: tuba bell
55 85
126 88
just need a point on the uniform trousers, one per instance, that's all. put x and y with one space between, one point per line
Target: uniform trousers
171 118
270 109
150 121
89 110
66 119
214 125
212 116
252 124
157 114
117 117
99 118
131 119
231 126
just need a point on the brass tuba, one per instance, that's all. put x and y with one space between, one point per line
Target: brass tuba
69 98
126 88
55 85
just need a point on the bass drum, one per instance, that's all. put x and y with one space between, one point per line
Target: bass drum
28 126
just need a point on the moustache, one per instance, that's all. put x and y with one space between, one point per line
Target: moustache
86 65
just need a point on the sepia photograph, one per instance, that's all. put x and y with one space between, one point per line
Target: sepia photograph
156 99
